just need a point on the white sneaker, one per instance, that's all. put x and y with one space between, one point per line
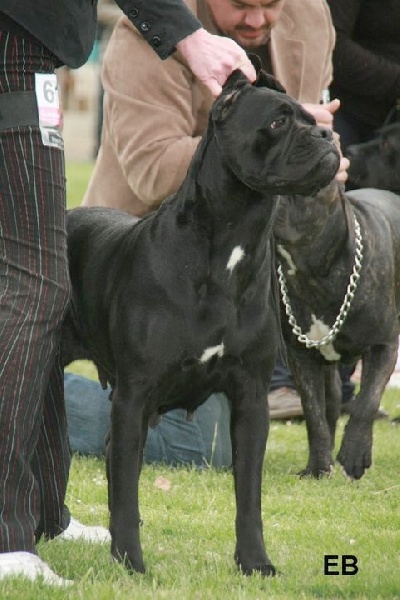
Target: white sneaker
86 533
26 564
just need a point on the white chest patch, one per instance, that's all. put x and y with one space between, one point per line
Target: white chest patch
236 256
285 254
319 330
212 351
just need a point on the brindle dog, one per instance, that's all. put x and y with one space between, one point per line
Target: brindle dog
327 243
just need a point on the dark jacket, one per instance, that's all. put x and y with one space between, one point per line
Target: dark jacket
68 27
366 59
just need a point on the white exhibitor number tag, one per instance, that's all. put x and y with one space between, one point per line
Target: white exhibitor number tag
46 89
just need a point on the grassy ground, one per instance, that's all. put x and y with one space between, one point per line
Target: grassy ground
77 175
188 532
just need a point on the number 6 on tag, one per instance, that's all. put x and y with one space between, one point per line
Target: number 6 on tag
46 89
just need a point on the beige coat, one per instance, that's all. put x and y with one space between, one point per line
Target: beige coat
156 111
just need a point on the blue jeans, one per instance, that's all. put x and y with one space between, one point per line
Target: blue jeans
175 441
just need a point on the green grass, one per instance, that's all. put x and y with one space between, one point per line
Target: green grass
188 532
77 175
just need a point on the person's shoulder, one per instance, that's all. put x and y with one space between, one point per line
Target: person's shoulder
312 13
314 18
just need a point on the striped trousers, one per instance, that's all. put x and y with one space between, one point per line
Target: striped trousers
34 291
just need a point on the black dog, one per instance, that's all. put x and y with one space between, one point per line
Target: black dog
181 304
319 245
376 164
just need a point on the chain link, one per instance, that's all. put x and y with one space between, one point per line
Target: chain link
344 310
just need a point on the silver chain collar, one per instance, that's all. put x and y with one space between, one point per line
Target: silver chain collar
344 309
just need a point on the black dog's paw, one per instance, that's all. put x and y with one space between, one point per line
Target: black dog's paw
133 564
266 568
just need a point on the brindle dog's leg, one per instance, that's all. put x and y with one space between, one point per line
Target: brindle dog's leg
355 454
333 398
309 378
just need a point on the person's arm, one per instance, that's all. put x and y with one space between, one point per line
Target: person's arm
357 69
168 25
163 23
212 58
149 115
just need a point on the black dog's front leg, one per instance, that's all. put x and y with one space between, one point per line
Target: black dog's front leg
125 458
249 431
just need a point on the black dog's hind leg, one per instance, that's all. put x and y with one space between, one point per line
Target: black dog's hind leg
125 461
249 431
355 454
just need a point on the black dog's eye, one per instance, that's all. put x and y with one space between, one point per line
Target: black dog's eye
278 123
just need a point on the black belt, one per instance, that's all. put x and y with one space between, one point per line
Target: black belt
18 109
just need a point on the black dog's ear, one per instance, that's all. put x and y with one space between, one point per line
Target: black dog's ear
231 89
256 62
264 79
236 82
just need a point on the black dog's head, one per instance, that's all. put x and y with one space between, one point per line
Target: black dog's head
269 141
376 164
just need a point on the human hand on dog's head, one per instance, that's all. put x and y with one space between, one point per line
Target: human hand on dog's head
212 58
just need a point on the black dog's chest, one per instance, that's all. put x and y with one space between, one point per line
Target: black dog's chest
189 383
207 330
193 350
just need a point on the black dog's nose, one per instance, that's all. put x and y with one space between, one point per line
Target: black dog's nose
322 132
